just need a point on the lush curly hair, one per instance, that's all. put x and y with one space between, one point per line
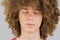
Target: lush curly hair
49 10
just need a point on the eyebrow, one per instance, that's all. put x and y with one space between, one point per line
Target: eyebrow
37 9
25 8
33 9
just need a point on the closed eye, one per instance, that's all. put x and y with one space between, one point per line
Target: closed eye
24 11
36 12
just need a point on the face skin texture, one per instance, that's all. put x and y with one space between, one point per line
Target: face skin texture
30 19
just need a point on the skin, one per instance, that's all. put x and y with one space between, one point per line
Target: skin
30 19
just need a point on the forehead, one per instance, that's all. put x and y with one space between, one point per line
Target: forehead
29 7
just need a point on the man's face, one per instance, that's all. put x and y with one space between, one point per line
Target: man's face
30 19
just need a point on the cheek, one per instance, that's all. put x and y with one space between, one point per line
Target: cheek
38 21
39 18
22 19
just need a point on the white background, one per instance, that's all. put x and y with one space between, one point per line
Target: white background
5 32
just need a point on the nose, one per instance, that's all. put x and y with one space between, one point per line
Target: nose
30 16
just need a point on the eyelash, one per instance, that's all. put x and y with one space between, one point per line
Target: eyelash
36 13
26 12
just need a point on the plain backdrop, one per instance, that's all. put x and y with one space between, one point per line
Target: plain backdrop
5 32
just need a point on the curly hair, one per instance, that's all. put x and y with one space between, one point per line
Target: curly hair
49 9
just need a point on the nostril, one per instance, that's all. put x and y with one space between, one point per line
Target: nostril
30 17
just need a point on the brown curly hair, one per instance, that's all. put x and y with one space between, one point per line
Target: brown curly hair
48 8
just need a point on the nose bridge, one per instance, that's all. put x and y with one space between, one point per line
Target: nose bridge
30 15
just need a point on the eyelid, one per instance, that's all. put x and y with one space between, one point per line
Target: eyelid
36 11
33 11
26 11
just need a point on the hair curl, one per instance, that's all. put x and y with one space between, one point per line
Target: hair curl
49 10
